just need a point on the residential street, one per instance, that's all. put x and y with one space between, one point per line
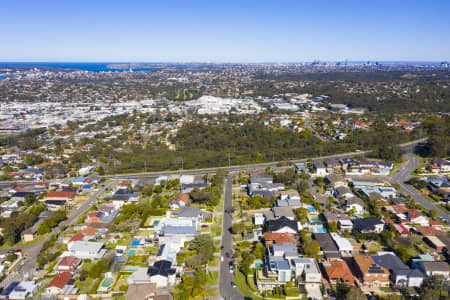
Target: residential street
403 174
226 290
31 252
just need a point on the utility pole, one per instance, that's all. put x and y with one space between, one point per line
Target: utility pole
229 161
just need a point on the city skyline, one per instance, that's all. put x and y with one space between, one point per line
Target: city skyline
250 32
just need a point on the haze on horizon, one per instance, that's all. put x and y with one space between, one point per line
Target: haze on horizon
232 31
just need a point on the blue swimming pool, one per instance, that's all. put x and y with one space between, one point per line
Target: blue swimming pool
131 269
311 209
135 243
320 229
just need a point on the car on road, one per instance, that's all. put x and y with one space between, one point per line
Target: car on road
231 267
221 258
233 284
17 250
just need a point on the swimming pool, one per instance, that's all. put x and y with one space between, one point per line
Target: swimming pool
320 229
131 269
135 243
311 209
107 282
131 252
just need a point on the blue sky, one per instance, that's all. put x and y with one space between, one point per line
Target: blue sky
224 31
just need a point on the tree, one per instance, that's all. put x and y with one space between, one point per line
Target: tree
332 227
29 199
355 294
434 213
203 244
83 274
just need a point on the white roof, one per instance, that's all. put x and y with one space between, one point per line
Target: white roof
85 246
342 243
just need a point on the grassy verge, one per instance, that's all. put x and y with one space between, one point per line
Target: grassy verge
243 287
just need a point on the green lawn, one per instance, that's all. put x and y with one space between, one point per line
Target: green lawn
37 240
86 286
213 278
241 284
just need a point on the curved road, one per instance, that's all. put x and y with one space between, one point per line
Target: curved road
403 174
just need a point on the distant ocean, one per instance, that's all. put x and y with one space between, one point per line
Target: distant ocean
92 67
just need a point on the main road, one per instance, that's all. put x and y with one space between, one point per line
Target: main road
403 174
28 265
227 291
406 146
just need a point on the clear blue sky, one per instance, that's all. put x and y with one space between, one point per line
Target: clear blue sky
224 31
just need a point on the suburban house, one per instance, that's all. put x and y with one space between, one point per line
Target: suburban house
282 225
179 201
19 290
337 271
401 274
58 283
289 198
344 246
365 225
343 192
68 264
59 199
83 250
327 245
434 268
161 273
306 270
336 180
354 204
370 272
272 238
319 168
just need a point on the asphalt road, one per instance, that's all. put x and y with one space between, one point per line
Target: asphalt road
227 292
403 174
31 252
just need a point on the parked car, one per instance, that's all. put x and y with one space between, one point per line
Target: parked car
233 284
231 267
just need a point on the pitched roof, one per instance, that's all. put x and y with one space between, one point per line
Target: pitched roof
69 261
89 231
326 242
60 280
368 266
274 225
428 230
77 237
280 238
363 224
61 194
338 269
161 267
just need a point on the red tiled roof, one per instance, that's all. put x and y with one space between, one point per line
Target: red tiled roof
89 231
61 194
428 230
77 237
401 229
69 261
60 280
280 238
181 197
339 269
